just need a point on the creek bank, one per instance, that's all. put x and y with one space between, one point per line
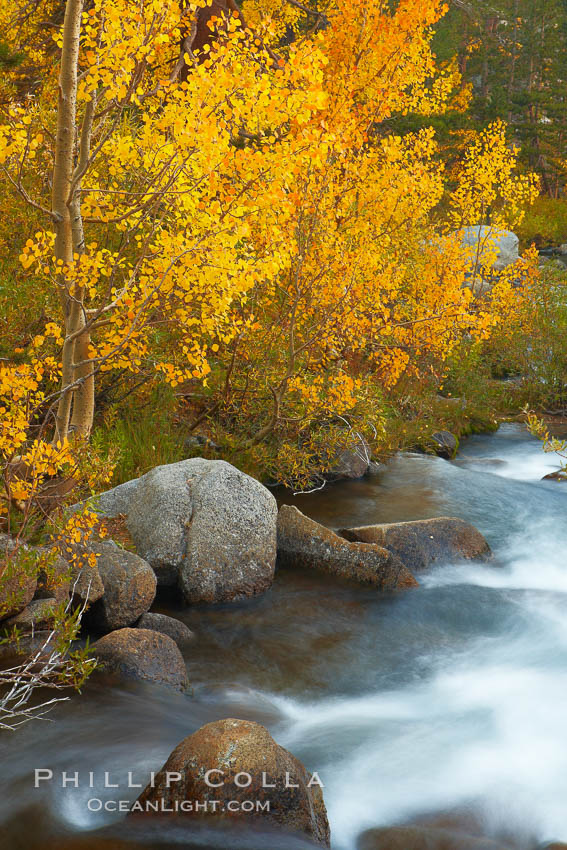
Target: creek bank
385 702
216 532
18 586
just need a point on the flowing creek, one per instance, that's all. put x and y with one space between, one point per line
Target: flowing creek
450 698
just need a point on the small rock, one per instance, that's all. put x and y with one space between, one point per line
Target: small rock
19 582
422 542
446 444
558 475
423 838
41 642
351 462
129 588
375 468
39 614
306 544
165 625
199 441
239 749
143 654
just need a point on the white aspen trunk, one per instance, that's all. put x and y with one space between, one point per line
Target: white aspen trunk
83 396
61 207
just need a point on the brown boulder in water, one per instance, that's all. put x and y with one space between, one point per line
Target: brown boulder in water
304 543
246 765
143 654
352 460
422 542
169 626
445 444
129 588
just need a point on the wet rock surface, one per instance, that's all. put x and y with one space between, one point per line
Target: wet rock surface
245 752
423 542
558 475
143 654
169 626
445 444
304 543
129 588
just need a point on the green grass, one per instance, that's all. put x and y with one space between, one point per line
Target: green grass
545 223
141 434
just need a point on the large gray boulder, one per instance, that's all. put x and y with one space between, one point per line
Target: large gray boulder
245 763
142 654
201 524
304 543
129 588
484 240
420 543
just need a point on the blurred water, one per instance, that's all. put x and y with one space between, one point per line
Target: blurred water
444 699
